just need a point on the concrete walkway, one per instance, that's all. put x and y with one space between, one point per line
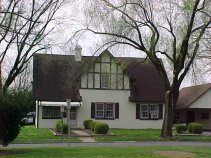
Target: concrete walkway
83 136
115 144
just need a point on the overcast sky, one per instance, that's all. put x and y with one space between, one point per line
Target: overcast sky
72 19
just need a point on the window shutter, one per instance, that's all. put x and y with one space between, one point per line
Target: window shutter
160 111
137 111
92 110
116 110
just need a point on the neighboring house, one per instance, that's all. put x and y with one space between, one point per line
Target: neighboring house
124 92
194 105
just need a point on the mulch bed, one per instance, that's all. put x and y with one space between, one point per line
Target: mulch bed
175 154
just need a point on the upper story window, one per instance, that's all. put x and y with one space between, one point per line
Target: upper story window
105 73
105 81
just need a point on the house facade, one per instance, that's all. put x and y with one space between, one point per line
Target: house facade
194 105
123 92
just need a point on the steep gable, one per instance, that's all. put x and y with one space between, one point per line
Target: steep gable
57 77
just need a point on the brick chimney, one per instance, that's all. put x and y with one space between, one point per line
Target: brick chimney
78 51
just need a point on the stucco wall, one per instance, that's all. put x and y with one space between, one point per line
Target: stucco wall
47 123
127 110
182 116
206 122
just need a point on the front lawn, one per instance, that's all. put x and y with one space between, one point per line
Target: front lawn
114 152
144 135
130 135
30 134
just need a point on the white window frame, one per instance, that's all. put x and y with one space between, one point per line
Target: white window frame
142 112
154 111
96 110
112 111
104 111
104 80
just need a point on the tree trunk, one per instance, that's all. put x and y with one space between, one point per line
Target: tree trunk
171 98
1 107
166 131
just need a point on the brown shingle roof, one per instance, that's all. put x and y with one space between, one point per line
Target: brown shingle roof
56 78
52 78
188 95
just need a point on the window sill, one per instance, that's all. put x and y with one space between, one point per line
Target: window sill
104 118
51 118
149 119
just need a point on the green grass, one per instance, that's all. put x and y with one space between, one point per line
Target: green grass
30 134
194 138
130 135
144 135
106 152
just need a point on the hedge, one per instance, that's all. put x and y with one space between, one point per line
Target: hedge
87 124
59 125
101 128
180 128
93 126
195 128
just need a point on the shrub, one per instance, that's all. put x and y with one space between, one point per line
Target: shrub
195 128
93 126
101 128
14 105
59 125
87 124
180 128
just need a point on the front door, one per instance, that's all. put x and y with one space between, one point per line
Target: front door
73 117
190 116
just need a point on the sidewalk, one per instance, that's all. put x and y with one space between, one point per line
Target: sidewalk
83 136
115 144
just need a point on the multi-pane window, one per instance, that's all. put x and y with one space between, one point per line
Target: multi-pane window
104 80
105 73
104 110
51 112
149 111
109 111
154 111
144 112
99 110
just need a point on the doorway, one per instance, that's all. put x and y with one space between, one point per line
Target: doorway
73 117
190 117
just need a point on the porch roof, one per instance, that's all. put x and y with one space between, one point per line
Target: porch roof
48 103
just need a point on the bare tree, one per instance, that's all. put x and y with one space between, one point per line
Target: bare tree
24 25
173 29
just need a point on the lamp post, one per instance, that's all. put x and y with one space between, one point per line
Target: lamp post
68 119
62 111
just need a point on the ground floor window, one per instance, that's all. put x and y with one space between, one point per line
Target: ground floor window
149 111
52 112
205 116
101 110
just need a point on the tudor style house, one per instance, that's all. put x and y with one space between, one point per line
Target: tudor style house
124 92
194 105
